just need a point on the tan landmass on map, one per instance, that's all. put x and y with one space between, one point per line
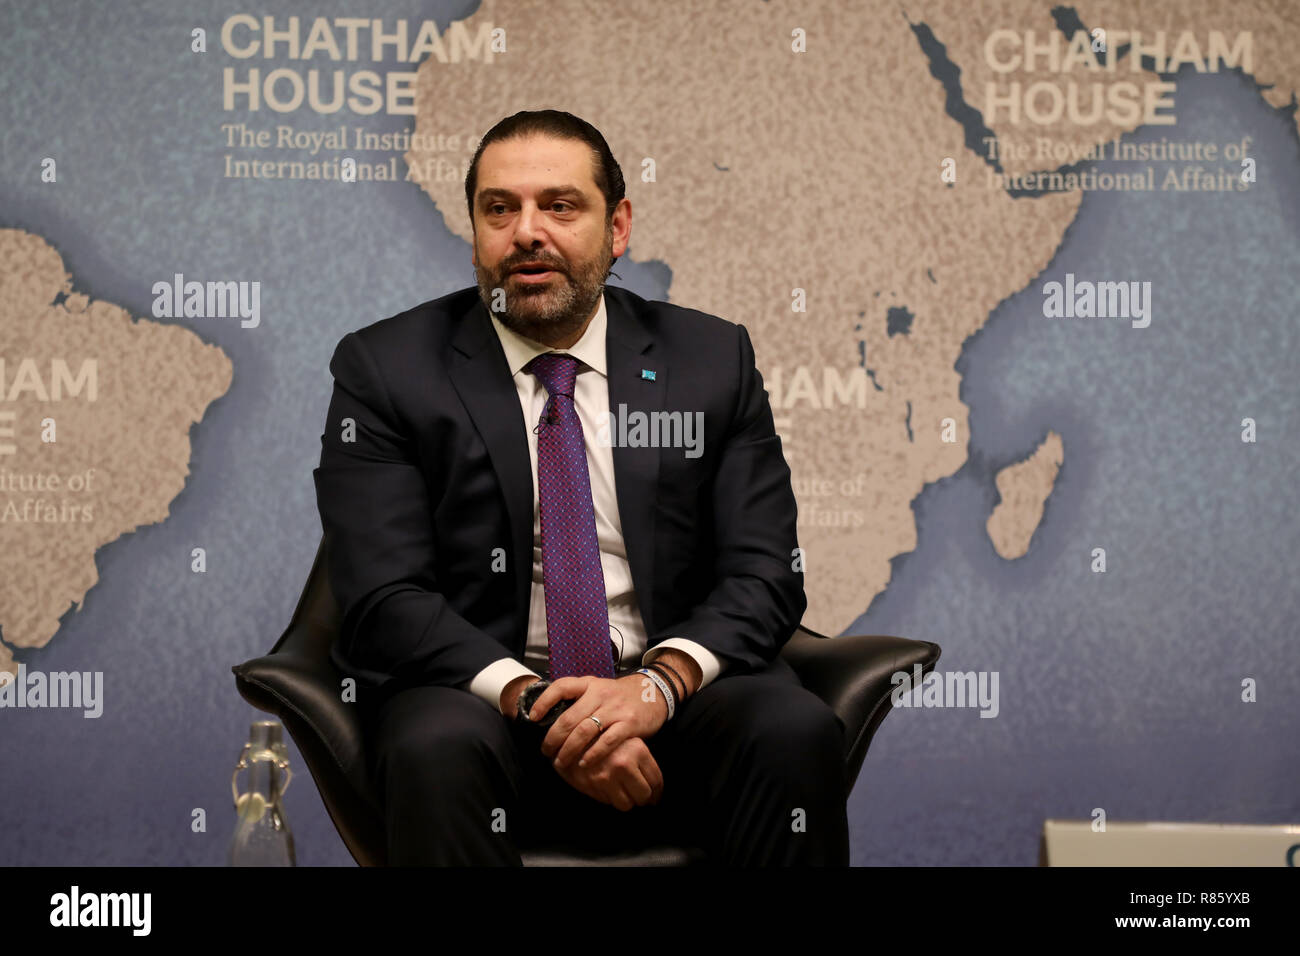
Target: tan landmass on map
152 382
820 171
1024 488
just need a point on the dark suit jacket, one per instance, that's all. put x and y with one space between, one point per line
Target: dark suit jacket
437 477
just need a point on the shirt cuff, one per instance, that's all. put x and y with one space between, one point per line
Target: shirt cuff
710 665
492 680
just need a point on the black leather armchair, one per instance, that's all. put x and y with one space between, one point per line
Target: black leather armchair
299 684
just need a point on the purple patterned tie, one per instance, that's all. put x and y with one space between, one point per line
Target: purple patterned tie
577 615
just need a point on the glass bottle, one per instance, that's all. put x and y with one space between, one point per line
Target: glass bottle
262 836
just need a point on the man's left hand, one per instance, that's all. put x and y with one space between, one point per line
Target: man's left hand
630 706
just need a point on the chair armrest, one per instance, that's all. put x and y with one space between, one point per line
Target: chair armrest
851 673
306 694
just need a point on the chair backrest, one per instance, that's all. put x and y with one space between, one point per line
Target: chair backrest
317 618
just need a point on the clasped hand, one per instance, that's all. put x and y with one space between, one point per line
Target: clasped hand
613 764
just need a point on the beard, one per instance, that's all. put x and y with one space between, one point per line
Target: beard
555 309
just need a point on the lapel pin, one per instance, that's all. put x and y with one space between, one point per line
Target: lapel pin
648 375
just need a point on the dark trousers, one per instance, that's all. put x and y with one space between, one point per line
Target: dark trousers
753 769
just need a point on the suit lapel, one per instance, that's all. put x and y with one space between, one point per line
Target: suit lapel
482 378
629 350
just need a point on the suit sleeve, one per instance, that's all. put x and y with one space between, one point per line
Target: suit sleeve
758 598
378 521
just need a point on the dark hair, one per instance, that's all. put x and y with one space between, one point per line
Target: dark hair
557 123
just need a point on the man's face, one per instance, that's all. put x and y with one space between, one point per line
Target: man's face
536 201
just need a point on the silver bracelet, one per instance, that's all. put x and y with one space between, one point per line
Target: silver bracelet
663 688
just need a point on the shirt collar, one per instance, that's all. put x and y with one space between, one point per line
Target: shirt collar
590 349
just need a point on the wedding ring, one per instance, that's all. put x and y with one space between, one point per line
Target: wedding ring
598 723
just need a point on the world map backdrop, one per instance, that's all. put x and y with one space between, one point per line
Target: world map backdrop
1021 280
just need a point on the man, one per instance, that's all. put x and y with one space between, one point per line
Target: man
496 510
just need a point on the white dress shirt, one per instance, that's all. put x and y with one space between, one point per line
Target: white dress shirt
591 400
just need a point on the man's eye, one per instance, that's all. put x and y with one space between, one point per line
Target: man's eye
495 206
560 203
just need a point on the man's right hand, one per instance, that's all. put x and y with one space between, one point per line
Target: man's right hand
628 777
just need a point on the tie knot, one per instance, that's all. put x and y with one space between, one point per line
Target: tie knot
557 372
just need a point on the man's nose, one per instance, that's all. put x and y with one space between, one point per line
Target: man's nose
528 226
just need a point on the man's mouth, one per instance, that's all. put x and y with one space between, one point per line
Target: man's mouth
533 273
